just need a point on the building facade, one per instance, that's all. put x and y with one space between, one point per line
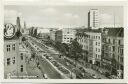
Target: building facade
93 19
68 35
94 37
23 54
112 51
53 34
58 36
11 50
83 40
12 60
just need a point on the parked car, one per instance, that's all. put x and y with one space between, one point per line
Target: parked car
50 58
65 71
67 63
94 76
45 76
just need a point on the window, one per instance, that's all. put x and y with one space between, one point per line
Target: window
96 43
13 47
21 56
99 43
119 42
8 48
121 59
98 50
113 48
99 37
13 60
96 55
8 61
121 51
113 41
21 68
109 40
96 37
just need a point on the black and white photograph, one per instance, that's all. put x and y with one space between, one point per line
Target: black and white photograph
63 41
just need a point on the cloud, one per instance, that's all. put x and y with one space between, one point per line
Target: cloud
11 15
76 16
71 16
106 18
49 11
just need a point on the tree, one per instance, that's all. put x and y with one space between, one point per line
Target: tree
65 49
23 39
33 55
35 32
58 46
18 33
114 62
75 50
31 31
85 55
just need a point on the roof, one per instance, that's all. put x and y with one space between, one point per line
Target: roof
118 32
89 30
81 34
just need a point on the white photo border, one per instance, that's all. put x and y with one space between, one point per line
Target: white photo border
123 3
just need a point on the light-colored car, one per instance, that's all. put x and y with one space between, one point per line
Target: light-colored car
94 76
45 76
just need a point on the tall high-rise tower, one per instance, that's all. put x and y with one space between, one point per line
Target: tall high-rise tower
18 24
24 25
93 19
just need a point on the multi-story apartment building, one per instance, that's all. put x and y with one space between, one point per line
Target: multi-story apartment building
90 39
23 54
12 67
58 36
53 34
112 50
68 34
83 40
11 50
94 37
93 19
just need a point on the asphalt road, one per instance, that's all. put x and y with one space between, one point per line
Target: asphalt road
46 68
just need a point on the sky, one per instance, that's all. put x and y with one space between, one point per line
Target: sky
61 15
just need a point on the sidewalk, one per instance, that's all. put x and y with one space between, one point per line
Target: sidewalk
33 71
91 71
